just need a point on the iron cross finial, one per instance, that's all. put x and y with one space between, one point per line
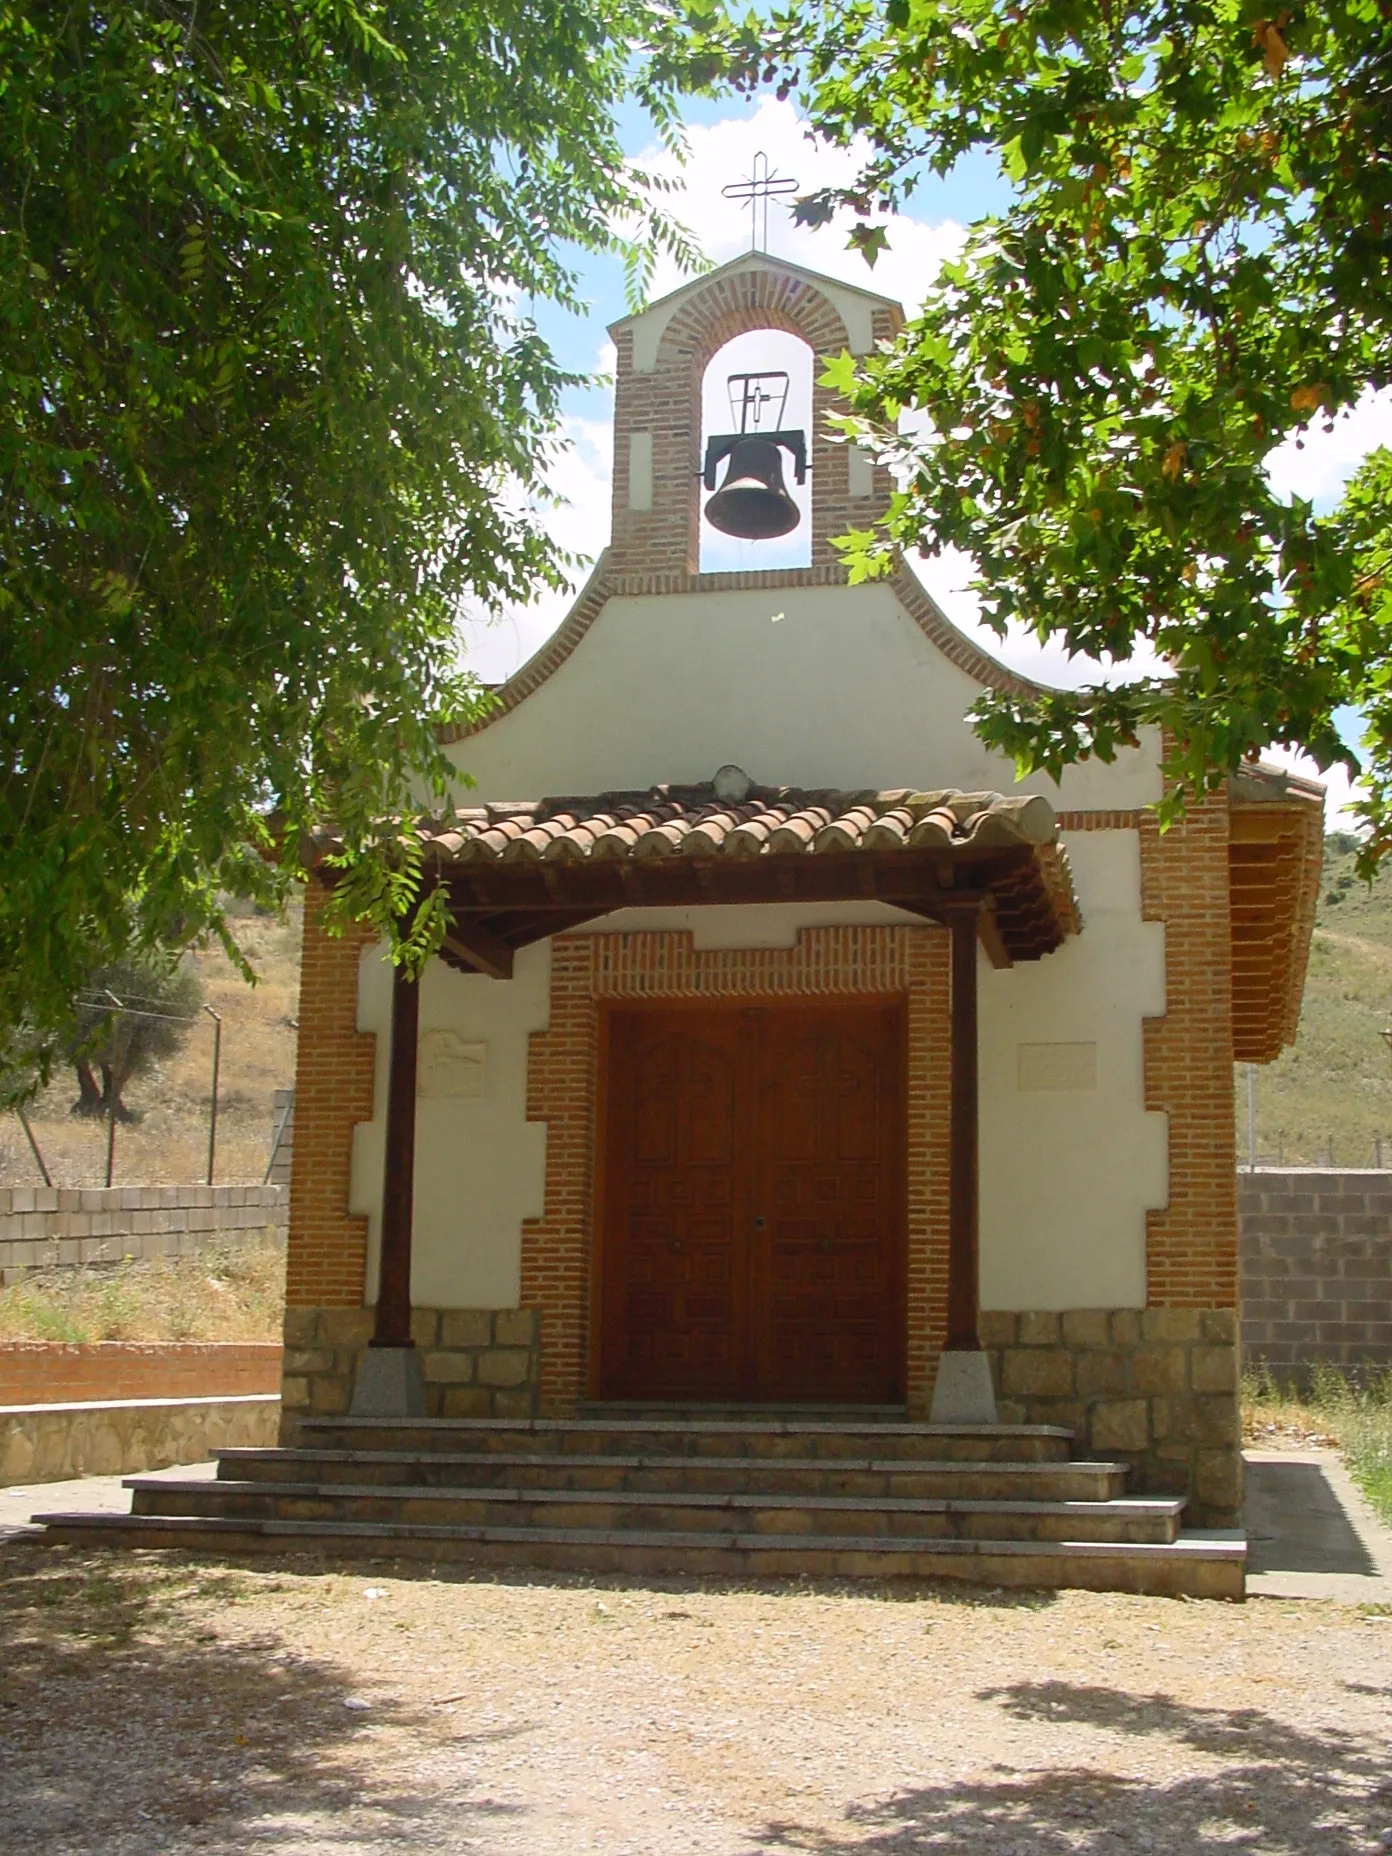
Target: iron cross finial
762 185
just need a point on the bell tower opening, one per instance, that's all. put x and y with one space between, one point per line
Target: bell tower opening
756 443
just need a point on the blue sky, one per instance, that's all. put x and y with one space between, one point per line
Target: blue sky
724 136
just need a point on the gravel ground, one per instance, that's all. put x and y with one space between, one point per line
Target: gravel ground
149 1703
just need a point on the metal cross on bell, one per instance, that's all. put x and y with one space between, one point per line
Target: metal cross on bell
753 502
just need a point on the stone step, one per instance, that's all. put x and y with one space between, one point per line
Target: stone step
1196 1566
694 1411
1155 1520
712 1475
743 1434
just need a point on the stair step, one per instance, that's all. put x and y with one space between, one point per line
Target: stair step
1196 1566
667 1514
690 1411
740 1435
859 1476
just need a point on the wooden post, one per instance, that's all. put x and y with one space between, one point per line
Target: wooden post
393 1328
963 1260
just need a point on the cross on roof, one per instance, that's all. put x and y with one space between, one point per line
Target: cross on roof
761 186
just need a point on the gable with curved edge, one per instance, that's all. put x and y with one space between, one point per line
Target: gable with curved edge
807 685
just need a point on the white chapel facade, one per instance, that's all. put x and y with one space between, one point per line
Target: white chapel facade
785 1049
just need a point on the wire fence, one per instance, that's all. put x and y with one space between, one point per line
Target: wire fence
136 1008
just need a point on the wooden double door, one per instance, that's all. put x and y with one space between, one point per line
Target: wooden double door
752 1204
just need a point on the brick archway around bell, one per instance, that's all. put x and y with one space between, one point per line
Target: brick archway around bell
558 1249
658 548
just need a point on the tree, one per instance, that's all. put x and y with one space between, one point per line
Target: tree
134 1012
273 406
1195 266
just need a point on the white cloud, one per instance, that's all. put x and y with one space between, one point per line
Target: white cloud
582 475
1319 463
722 153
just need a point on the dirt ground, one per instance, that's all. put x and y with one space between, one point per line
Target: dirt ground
153 1704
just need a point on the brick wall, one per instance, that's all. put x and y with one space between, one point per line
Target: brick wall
667 403
1191 1246
49 1372
1316 1268
327 1263
53 1227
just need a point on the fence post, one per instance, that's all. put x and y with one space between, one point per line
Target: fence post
212 1114
29 1135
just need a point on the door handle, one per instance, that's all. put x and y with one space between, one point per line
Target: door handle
759 1223
674 1243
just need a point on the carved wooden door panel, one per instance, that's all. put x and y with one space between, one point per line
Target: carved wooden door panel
753 1204
676 1250
828 1264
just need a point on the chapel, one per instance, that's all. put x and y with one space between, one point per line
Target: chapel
812 1149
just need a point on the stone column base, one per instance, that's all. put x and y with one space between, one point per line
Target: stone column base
472 1362
962 1391
389 1384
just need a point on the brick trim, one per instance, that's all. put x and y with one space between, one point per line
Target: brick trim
326 1262
587 970
1119 819
1191 1246
666 403
955 646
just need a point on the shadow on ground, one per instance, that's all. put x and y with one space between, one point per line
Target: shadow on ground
1283 1790
1297 1523
129 1724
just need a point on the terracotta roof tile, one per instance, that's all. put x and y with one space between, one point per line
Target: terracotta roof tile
691 821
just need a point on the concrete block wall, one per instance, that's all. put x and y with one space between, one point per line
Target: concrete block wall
49 1227
1316 1268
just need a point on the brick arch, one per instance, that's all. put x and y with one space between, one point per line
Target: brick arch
738 305
665 405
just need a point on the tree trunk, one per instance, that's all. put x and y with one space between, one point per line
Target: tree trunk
114 1080
89 1102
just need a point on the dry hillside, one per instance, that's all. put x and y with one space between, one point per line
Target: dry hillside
1334 1088
168 1142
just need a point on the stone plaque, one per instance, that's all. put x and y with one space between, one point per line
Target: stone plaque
450 1065
1058 1066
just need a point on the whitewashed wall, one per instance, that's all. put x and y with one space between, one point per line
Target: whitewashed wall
1067 1174
1070 1158
800 686
480 1164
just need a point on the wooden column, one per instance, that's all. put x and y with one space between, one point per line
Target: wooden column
963 1258
398 1184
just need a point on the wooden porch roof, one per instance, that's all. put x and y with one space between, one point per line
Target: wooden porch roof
518 873
1275 854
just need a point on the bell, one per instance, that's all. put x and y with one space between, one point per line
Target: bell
752 501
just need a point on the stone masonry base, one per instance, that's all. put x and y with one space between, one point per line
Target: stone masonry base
1154 1388
118 1437
478 1362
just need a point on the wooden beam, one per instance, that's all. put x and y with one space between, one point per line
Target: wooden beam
472 946
393 1321
963 1185
989 929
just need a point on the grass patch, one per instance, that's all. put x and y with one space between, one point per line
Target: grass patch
1354 1414
232 1291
